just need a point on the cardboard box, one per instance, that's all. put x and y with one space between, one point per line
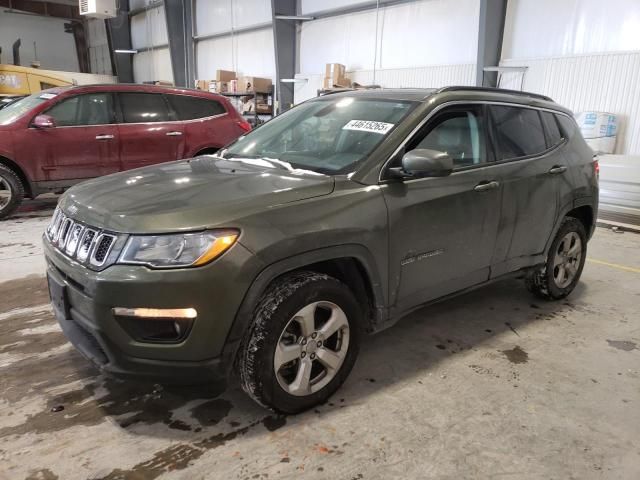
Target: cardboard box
334 71
342 82
254 84
218 87
225 75
203 85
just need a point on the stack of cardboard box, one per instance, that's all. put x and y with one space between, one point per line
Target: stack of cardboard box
334 77
225 82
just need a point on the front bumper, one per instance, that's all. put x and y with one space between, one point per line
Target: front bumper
215 291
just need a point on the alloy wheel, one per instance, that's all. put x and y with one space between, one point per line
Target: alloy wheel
567 259
6 193
312 348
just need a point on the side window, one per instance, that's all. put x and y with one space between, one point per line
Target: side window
567 125
457 131
65 113
518 132
190 108
554 137
88 109
143 107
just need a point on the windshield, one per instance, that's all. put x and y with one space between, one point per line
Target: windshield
18 108
326 136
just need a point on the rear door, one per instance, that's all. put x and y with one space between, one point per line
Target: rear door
205 123
533 173
82 144
148 131
442 231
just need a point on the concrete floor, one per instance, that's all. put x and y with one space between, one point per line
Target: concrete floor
493 384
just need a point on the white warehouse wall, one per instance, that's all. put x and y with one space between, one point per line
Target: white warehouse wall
589 59
426 43
149 30
56 49
249 53
216 16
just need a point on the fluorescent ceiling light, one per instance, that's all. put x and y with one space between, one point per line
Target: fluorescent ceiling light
126 51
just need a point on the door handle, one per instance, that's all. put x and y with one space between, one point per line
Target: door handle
174 134
484 186
104 137
557 169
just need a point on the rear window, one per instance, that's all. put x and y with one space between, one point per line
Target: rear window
518 131
567 125
143 108
191 108
554 136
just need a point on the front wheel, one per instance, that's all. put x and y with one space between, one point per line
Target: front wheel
565 261
302 344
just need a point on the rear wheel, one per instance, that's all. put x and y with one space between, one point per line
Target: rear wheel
302 344
11 192
565 261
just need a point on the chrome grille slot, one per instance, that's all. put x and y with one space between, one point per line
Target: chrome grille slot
53 226
74 238
57 228
102 248
85 244
64 232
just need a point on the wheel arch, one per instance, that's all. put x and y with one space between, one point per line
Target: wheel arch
582 209
15 168
351 264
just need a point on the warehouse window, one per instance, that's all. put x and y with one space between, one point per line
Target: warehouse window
518 132
554 137
190 108
143 108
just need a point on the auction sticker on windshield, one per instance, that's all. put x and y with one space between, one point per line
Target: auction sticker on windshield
368 126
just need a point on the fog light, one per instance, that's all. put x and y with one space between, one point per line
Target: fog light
156 325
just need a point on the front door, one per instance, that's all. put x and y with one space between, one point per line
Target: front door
442 230
82 144
148 132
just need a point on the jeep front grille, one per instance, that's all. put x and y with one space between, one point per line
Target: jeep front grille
80 242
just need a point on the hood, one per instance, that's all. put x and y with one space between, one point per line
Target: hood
203 192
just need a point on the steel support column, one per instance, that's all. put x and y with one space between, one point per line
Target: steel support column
179 14
284 42
490 33
119 38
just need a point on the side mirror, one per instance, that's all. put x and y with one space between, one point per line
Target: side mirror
422 163
44 121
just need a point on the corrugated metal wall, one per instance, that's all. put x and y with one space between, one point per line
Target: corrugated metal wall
419 77
607 82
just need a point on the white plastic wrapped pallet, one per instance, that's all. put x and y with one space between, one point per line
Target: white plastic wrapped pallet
599 129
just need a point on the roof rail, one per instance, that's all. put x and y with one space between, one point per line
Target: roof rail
456 88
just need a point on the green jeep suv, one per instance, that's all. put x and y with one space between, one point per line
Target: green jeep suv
271 259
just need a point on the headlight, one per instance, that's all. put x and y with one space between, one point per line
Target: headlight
177 250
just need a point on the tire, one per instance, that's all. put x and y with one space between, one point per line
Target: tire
11 183
560 274
279 325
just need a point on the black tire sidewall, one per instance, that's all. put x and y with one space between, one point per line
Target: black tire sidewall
569 225
325 289
17 191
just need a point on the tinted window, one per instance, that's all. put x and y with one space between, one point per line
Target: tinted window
518 132
89 109
143 108
554 136
458 132
189 108
567 125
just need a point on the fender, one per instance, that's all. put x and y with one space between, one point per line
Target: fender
268 274
579 202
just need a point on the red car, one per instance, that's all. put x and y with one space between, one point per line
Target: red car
59 137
